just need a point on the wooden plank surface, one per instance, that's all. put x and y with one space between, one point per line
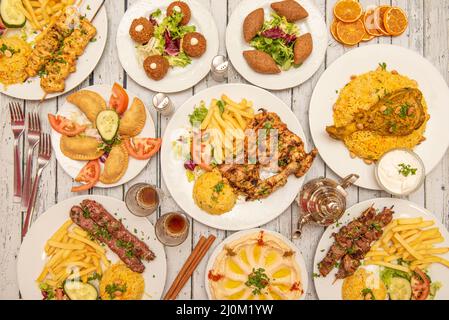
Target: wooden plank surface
428 34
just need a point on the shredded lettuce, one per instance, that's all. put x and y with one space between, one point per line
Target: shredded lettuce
199 114
387 274
180 60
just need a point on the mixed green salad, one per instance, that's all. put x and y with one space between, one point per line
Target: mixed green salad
166 40
277 38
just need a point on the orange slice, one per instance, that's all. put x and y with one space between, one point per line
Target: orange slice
367 37
370 27
334 30
379 14
348 10
350 33
395 21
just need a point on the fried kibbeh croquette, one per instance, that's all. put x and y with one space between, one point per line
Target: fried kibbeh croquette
156 67
303 48
290 9
180 6
194 44
141 30
261 62
252 24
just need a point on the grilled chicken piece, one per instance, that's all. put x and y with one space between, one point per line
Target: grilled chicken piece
292 159
396 114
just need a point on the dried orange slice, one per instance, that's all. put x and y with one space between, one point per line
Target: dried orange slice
334 30
367 37
348 10
370 27
350 33
395 21
379 14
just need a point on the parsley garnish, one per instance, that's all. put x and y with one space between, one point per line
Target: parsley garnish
111 289
383 65
368 291
258 279
406 169
86 213
388 111
94 276
219 187
404 110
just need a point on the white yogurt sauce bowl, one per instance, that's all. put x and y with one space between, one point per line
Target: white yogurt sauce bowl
400 172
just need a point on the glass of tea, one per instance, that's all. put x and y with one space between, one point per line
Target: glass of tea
143 199
172 228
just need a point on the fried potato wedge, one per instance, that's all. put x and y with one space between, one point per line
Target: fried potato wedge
89 102
80 147
115 165
134 119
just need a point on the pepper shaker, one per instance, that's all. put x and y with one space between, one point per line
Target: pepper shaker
163 104
219 68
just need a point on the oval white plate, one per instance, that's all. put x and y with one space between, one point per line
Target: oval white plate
364 59
73 167
245 215
32 255
235 45
177 79
326 289
236 236
31 90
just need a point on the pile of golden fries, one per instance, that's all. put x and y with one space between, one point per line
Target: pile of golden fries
227 124
40 12
71 254
409 239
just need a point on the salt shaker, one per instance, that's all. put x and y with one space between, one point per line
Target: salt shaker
219 68
163 104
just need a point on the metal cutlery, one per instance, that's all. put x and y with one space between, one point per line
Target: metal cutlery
42 161
17 126
33 136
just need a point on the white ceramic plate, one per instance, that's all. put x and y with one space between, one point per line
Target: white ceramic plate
31 90
32 255
73 167
236 236
327 289
235 45
177 79
362 60
244 215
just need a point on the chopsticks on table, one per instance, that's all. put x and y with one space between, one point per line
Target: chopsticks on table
189 266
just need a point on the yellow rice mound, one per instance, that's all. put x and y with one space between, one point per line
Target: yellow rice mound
12 69
354 285
121 276
209 197
361 93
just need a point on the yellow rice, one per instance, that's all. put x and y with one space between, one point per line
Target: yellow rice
120 275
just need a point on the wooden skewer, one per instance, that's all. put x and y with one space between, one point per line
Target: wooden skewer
189 267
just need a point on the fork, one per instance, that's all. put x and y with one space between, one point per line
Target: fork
33 136
42 161
17 126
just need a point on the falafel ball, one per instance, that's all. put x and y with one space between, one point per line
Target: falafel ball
141 30
180 6
194 44
156 67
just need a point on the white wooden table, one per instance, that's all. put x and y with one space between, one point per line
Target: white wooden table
428 34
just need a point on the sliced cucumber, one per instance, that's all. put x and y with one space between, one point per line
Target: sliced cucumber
11 15
77 290
399 289
107 124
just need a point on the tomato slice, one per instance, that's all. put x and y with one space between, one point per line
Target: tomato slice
89 174
119 99
65 126
143 148
420 285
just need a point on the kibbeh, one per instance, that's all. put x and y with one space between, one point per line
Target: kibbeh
194 44
180 6
252 24
156 67
141 30
261 62
290 9
303 48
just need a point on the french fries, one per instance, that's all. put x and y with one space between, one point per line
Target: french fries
71 254
410 240
40 12
226 120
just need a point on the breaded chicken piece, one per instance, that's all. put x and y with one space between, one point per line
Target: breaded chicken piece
261 62
252 24
303 48
290 9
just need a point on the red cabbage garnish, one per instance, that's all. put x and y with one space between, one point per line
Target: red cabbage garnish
171 45
104 157
278 33
2 28
189 165
153 21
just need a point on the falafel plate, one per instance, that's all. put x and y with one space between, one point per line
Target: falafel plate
167 46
